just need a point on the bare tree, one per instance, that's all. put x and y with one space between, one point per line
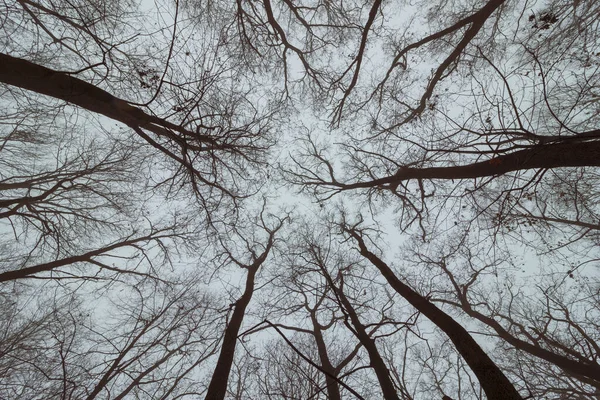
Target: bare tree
551 330
286 375
147 346
493 381
257 255
136 141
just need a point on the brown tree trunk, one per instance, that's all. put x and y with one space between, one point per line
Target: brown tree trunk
217 388
218 383
494 383
85 257
333 390
381 371
27 75
569 152
60 85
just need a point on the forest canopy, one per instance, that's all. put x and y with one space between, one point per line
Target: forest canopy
299 199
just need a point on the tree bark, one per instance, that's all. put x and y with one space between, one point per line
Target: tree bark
60 85
494 383
217 389
569 152
333 390
381 371
85 257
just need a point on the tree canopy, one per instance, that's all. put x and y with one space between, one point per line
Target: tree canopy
299 199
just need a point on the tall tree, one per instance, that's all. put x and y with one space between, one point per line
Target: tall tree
257 254
493 381
137 141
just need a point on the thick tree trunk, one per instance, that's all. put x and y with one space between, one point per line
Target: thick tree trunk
27 75
60 85
495 384
569 152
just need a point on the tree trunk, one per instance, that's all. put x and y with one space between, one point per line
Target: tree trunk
570 152
218 383
333 390
60 85
495 384
28 272
377 363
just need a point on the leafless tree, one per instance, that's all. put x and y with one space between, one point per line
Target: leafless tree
493 381
256 252
148 346
549 324
144 149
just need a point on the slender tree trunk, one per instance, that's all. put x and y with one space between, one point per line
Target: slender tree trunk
217 388
218 383
333 389
377 363
585 370
85 257
111 372
494 383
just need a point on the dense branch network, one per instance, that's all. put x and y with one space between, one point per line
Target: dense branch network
180 184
